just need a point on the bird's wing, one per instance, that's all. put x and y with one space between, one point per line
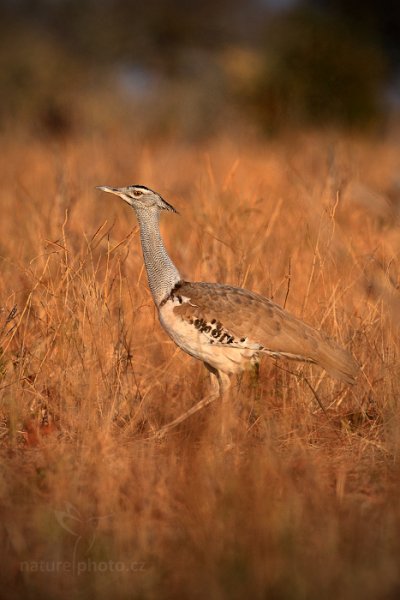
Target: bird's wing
250 320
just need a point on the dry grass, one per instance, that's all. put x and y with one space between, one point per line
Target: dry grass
305 504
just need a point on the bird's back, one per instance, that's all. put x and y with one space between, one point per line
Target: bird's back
222 320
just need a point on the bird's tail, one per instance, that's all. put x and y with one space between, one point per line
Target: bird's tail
339 363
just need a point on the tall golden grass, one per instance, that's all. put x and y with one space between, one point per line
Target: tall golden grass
304 503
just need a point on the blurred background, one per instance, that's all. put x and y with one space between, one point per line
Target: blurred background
191 69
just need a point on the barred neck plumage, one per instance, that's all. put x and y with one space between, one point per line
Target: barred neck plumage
161 271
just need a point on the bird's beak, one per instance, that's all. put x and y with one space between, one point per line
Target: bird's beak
117 191
105 188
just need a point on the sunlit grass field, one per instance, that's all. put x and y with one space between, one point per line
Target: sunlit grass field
304 501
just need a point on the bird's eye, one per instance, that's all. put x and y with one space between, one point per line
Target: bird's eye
137 193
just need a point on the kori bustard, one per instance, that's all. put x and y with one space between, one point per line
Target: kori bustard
226 327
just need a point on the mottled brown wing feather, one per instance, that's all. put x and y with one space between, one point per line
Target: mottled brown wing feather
245 314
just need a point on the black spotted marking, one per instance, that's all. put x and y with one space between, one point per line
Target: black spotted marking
176 287
172 293
214 330
242 339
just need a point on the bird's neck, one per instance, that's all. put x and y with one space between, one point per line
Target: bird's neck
161 271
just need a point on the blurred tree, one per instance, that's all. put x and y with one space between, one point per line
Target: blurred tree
316 70
317 61
37 81
377 20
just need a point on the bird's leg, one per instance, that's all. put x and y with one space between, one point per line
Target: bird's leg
255 373
220 382
226 408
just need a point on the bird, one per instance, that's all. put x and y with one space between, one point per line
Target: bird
228 328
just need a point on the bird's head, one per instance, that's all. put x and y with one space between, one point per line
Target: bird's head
139 197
